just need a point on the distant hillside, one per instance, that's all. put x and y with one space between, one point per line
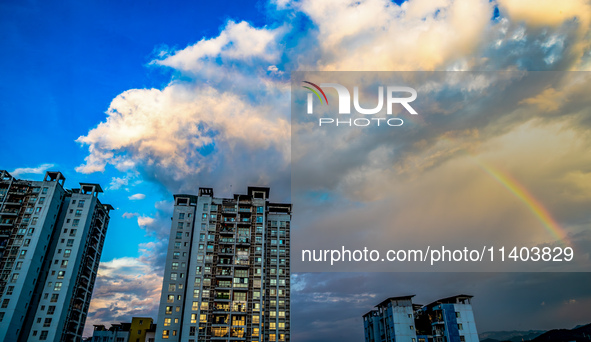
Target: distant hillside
512 336
578 334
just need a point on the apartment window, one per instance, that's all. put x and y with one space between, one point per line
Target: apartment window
165 334
204 306
176 255
51 309
412 327
172 287
70 242
78 212
179 235
168 310
173 276
67 253
9 290
37 210
41 200
5 303
22 254
34 220
44 333
73 232
64 263
58 286
54 297
175 265
167 322
75 223
27 242
60 274
193 318
181 216
14 278
457 314
462 339
460 327
170 299
47 323
31 231
81 204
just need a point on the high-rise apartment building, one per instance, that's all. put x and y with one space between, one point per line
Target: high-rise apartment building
398 319
50 245
227 269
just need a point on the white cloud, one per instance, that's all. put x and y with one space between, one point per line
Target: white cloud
380 35
137 197
117 182
143 221
31 170
128 287
129 215
237 41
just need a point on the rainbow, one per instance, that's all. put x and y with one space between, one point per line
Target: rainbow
531 202
315 92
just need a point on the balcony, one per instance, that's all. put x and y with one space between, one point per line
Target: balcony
9 212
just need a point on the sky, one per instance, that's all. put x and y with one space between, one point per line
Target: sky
152 99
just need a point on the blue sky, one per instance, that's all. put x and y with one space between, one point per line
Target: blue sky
155 98
64 62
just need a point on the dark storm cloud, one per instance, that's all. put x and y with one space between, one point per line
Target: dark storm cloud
329 306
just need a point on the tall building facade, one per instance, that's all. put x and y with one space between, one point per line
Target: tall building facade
227 272
398 319
51 240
